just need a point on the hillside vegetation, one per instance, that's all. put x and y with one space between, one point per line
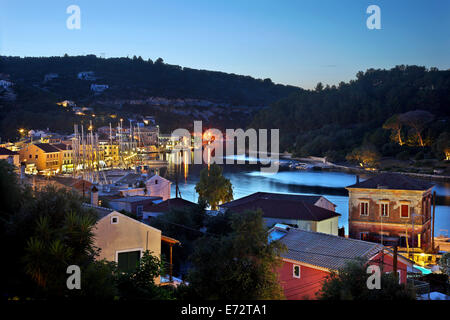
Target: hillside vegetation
234 98
402 112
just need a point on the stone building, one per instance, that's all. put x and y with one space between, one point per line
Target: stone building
392 209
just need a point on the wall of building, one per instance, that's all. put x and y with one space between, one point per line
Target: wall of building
158 187
118 205
301 224
11 159
326 204
127 235
394 225
386 264
44 161
329 226
303 288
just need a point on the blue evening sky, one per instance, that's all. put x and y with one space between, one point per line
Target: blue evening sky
297 42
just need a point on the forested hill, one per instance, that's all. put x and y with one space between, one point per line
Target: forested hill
334 121
138 79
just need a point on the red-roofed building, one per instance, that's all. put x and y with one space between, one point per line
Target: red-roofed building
311 213
312 256
391 208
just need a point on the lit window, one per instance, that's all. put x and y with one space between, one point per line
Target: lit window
364 208
296 271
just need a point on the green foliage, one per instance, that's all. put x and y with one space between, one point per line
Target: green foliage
140 284
366 156
57 239
183 225
239 265
35 106
350 283
49 230
213 188
394 124
98 281
444 262
341 119
442 146
12 194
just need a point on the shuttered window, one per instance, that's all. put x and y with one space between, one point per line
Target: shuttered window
127 261
404 211
364 208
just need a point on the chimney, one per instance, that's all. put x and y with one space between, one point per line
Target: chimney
94 196
357 178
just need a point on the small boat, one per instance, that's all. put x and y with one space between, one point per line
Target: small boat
301 166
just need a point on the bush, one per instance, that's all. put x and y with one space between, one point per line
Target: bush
404 155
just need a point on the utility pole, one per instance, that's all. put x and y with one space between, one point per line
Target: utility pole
432 231
412 232
394 263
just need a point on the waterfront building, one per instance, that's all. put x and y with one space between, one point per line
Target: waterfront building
392 209
65 157
311 213
109 153
43 156
312 256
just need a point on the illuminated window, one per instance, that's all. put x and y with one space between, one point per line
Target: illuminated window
296 271
364 208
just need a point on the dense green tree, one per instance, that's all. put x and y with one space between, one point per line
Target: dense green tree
366 156
442 146
444 263
338 120
350 283
213 188
417 119
184 225
140 284
394 124
238 265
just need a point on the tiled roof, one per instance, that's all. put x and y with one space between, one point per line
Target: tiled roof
129 179
7 152
272 196
101 211
174 203
393 181
136 199
324 250
283 207
62 146
76 184
46 147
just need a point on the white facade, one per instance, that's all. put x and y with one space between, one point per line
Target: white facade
157 186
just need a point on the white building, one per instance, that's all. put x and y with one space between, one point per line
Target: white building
86 75
99 87
157 186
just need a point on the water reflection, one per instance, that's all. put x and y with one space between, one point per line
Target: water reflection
247 179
